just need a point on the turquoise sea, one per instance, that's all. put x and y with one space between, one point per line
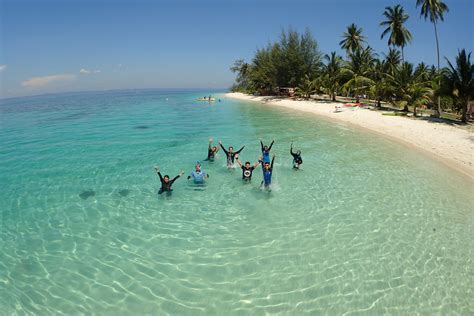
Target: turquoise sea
367 226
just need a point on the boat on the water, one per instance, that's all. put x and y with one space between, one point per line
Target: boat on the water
207 99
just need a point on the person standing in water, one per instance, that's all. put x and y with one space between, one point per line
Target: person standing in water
247 169
231 154
297 161
266 151
267 169
198 176
166 183
211 151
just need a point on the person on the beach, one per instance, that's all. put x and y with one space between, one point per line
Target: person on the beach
198 175
247 169
211 151
266 151
166 183
297 161
267 169
231 154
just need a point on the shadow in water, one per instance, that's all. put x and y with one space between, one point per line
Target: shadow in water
123 192
86 194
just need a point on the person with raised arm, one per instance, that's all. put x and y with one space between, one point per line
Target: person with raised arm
266 151
267 169
166 183
297 160
231 154
211 151
247 169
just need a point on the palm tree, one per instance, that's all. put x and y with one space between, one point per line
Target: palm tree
307 87
332 75
434 10
423 70
352 39
378 87
358 69
461 80
392 60
409 87
399 35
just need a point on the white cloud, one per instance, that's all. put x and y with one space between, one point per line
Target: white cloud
2 67
84 71
38 82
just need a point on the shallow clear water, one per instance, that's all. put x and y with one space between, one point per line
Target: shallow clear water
367 225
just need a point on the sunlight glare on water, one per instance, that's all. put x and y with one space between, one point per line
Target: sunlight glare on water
366 226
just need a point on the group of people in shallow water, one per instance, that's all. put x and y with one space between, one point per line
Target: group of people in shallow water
198 176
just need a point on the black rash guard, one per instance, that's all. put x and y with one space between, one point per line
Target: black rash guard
296 157
231 155
211 154
166 187
247 172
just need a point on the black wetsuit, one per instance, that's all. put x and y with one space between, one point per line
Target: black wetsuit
247 172
231 155
211 154
296 158
166 187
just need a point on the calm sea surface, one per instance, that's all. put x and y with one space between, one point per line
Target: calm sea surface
366 226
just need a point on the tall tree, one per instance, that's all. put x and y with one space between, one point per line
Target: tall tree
461 81
263 74
299 56
332 74
378 88
392 60
353 39
242 69
409 87
434 10
358 69
400 36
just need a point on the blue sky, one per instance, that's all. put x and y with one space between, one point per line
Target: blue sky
44 45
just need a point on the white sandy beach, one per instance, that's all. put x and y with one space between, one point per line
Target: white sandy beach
450 144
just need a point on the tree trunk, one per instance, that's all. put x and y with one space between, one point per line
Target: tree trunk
379 104
438 109
464 116
334 97
403 56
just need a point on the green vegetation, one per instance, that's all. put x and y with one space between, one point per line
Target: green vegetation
400 36
434 10
291 62
294 61
459 80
